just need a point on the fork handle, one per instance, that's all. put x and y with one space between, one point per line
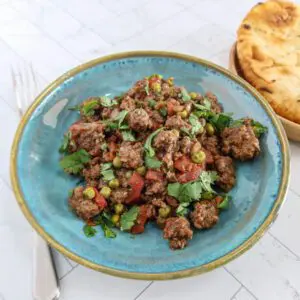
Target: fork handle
45 284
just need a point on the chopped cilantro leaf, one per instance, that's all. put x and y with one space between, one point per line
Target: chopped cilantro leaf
148 144
225 203
196 125
106 172
75 162
185 95
129 217
128 135
105 222
152 162
208 178
258 128
107 102
66 142
151 103
89 231
88 108
163 111
147 87
182 209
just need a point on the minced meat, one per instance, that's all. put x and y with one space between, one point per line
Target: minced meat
84 208
215 105
131 154
225 168
138 120
119 195
178 231
176 122
240 142
205 214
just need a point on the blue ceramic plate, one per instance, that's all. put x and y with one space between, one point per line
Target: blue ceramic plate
41 187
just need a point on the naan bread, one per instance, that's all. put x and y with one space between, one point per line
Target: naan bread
268 50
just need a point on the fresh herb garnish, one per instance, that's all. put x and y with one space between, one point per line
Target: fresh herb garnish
225 203
191 191
70 193
107 171
147 87
76 108
182 209
128 135
148 144
207 103
66 142
89 231
185 95
258 128
88 108
208 178
107 102
104 146
129 217
120 119
106 224
152 162
163 111
152 103
75 162
196 125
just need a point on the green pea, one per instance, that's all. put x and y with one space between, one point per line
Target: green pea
164 211
89 193
117 162
193 95
141 170
207 196
156 87
105 192
210 129
114 183
198 157
119 208
183 114
128 174
115 219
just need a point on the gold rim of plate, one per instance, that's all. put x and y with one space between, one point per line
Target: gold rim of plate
151 276
292 129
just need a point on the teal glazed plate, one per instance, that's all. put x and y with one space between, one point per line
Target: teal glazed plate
41 187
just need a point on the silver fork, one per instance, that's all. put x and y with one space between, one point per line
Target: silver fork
45 283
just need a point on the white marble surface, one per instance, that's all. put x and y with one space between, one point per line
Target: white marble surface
56 35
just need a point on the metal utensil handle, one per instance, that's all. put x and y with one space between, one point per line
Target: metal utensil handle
45 283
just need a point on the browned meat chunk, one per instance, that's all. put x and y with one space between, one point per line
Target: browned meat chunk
205 214
119 195
186 145
131 154
166 140
215 105
88 136
178 231
225 168
92 173
176 122
211 143
156 117
123 178
84 208
128 103
158 202
240 142
155 187
138 120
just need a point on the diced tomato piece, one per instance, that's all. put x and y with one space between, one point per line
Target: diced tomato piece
172 201
137 229
190 175
153 79
136 182
141 221
90 223
112 149
100 200
170 106
184 164
154 175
